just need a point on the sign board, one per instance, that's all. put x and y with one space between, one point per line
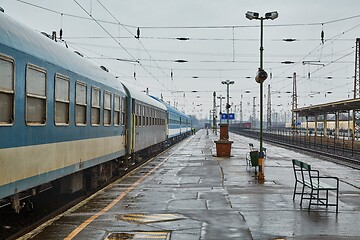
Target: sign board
231 116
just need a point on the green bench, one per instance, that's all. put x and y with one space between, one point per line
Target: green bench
311 188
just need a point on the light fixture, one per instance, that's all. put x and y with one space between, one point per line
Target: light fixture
287 62
181 61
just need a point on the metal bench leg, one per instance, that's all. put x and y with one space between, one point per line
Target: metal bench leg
302 195
311 196
337 199
327 198
294 190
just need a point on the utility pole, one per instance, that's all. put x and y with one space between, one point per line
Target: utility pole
269 110
294 104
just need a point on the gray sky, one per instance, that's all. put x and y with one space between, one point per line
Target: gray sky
222 45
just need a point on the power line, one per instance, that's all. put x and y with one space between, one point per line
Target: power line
193 27
138 38
120 44
67 14
200 39
251 26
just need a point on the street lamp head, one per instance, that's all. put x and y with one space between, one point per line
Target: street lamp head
272 15
261 76
251 15
254 15
227 82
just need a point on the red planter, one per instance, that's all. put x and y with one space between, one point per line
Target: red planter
223 148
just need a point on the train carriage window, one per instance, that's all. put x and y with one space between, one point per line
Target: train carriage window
107 108
62 99
144 115
139 115
147 115
155 117
123 111
116 110
95 106
151 116
7 83
81 103
136 111
35 95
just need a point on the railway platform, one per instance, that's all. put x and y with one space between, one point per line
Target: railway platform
188 193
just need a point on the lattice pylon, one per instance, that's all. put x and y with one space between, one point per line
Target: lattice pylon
253 119
268 123
294 104
356 112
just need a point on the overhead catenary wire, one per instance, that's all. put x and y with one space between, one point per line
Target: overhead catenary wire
67 14
318 72
120 44
138 38
326 43
193 27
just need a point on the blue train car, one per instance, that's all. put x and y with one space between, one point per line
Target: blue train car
178 123
59 114
67 123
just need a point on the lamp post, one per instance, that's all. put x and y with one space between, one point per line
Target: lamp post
260 78
227 82
221 98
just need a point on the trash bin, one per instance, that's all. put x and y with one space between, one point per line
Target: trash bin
254 156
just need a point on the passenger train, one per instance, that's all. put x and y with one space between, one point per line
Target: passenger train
67 123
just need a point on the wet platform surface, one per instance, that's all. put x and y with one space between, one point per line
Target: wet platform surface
187 193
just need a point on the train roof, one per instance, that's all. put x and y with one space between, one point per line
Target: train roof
140 96
170 108
20 37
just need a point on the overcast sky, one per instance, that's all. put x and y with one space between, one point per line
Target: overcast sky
222 45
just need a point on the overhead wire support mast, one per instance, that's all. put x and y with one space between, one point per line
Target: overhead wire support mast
356 113
214 114
269 110
253 119
294 105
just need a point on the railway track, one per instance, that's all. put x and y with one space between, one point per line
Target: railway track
348 157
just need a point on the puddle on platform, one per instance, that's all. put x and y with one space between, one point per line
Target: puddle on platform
138 235
149 218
